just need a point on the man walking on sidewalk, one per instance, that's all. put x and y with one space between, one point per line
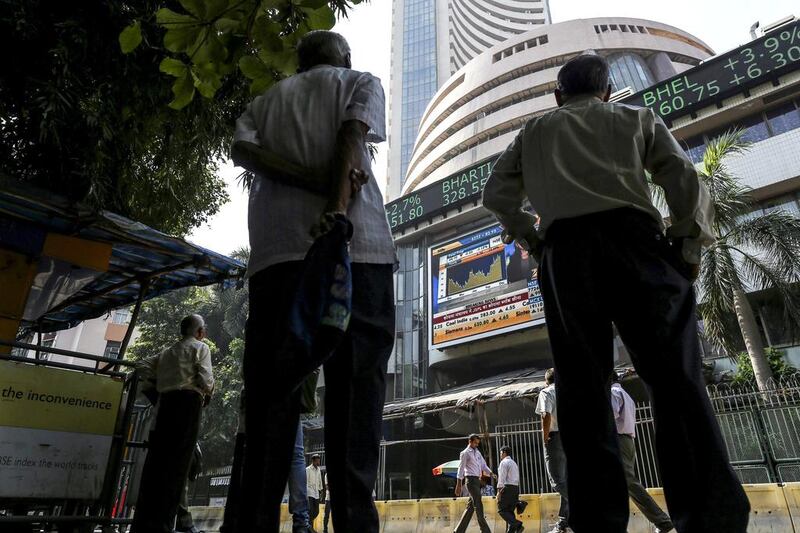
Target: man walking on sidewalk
471 467
624 409
508 491
605 260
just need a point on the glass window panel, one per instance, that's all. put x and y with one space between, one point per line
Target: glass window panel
755 129
784 118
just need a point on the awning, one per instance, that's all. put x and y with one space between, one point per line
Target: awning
139 256
510 386
514 385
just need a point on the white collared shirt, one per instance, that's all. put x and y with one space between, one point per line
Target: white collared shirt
624 410
547 405
591 156
298 119
472 463
313 481
507 473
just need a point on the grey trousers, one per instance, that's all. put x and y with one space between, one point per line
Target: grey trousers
556 463
646 504
474 506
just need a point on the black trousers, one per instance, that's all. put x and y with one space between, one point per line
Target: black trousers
167 464
616 268
355 383
506 506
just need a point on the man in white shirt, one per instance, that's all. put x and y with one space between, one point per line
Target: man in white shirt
508 491
554 459
606 261
319 119
183 378
624 409
314 488
471 467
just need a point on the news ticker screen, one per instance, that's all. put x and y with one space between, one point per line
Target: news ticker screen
480 287
749 65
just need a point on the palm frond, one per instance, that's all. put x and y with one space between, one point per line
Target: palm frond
718 279
763 275
775 235
731 199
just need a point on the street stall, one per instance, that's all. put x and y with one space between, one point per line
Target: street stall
69 437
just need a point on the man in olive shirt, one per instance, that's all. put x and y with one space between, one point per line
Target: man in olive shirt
606 261
182 376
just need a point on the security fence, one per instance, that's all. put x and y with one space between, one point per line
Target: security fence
761 431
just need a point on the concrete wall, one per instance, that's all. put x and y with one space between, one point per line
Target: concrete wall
775 509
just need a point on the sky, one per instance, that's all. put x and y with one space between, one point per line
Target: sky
722 24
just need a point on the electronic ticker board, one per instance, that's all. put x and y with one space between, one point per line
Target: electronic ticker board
755 63
749 65
455 190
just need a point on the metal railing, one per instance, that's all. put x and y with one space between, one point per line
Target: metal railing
761 431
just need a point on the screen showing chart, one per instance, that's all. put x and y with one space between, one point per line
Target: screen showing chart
481 287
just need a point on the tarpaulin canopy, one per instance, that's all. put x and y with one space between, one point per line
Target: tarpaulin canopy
142 259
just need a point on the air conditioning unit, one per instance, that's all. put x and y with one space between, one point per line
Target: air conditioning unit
621 94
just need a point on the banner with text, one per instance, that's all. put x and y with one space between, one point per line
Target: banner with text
55 431
481 287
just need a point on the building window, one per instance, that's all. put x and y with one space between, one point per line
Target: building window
755 129
121 316
410 355
629 70
112 349
784 118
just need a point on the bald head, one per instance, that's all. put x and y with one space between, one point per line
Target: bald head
193 326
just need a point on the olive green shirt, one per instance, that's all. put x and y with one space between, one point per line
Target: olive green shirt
590 156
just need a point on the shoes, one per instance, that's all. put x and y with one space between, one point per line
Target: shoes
519 529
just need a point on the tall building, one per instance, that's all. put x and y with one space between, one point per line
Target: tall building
467 307
470 319
431 40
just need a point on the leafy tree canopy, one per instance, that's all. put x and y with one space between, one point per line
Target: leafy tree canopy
98 98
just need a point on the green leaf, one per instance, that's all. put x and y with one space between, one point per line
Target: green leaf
285 61
320 19
312 4
260 85
169 18
130 38
173 67
252 67
209 49
274 4
207 79
181 39
266 34
215 8
183 89
195 7
228 25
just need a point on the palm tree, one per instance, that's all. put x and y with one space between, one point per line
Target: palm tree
751 252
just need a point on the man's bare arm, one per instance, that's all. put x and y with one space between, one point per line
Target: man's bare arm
350 142
256 159
546 421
